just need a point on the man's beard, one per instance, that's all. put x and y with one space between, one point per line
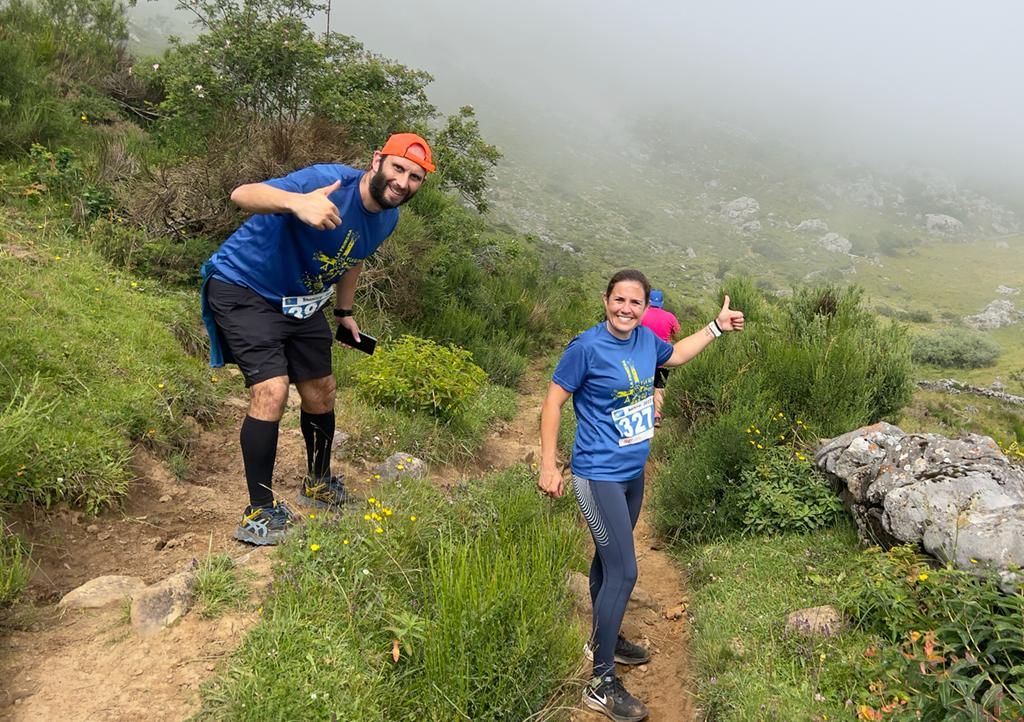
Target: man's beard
378 186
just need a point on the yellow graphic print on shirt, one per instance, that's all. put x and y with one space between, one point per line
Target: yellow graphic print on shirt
635 420
638 390
331 267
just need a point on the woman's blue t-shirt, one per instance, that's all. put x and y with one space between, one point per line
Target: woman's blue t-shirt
293 265
612 385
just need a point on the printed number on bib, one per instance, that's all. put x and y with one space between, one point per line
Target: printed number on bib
635 423
305 306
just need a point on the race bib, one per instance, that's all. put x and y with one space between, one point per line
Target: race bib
305 306
635 423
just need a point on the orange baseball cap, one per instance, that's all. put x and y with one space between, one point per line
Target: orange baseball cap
410 146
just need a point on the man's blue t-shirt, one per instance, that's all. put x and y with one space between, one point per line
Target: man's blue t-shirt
294 265
612 386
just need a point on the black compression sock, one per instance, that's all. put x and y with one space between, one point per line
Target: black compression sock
318 431
259 451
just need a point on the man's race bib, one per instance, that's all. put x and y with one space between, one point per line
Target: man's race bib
305 306
635 423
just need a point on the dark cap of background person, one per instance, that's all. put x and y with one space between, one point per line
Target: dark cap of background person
657 297
411 147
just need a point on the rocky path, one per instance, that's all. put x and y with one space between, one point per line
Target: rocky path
91 665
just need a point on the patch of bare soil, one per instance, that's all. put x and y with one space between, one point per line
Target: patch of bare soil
91 664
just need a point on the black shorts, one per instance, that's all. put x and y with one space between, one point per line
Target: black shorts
660 377
265 342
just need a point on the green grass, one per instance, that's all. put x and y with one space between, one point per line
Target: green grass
430 575
741 591
14 567
218 587
91 365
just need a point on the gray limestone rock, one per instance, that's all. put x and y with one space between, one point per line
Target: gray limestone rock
942 224
997 314
961 500
401 466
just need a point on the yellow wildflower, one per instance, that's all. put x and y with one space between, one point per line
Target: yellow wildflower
412 518
372 500
379 530
314 547
922 577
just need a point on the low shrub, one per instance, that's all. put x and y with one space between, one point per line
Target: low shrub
783 492
417 374
960 648
955 348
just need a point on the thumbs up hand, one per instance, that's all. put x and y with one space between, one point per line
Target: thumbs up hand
729 320
316 209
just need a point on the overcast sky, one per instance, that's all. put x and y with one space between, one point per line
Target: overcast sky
933 82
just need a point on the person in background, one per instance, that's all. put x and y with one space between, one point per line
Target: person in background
608 370
263 294
665 326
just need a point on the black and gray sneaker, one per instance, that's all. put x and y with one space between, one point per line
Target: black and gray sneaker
265 525
607 695
324 494
625 652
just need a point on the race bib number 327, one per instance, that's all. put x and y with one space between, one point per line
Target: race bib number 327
636 422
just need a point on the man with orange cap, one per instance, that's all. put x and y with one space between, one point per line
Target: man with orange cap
263 294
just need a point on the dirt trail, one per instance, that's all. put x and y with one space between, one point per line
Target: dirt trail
91 665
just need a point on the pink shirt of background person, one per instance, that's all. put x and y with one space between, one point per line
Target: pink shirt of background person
662 322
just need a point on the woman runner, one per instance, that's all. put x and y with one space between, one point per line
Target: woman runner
608 370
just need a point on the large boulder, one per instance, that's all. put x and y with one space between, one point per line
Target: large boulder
961 500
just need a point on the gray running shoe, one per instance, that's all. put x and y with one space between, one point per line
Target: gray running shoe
625 652
324 494
608 696
265 525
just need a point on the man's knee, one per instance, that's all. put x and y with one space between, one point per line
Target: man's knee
317 394
267 399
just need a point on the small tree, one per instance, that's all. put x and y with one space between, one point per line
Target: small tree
464 159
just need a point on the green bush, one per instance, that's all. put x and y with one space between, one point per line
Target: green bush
955 348
818 358
783 492
416 374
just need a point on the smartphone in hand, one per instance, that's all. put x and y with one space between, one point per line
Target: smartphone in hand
366 343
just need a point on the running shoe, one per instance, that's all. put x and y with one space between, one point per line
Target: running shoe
265 525
625 652
608 696
324 494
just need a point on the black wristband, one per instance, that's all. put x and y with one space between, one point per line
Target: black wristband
342 312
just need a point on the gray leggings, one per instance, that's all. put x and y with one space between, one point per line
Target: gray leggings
611 509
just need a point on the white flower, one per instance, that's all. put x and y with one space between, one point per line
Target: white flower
156 66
